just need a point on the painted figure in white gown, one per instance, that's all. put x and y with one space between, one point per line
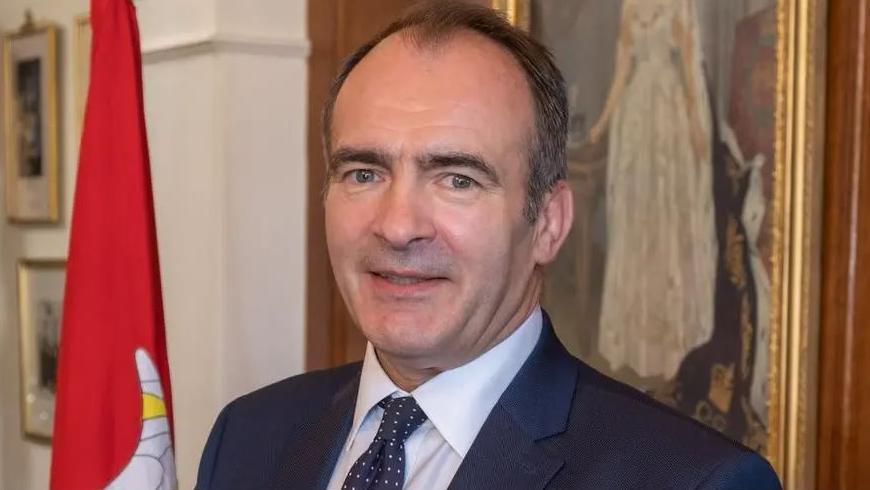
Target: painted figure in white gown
752 217
660 271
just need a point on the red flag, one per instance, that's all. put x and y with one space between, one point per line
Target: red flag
113 415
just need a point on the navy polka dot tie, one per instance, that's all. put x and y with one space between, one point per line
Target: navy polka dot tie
382 466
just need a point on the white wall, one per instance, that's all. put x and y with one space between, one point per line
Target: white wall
225 87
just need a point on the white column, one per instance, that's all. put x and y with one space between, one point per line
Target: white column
226 113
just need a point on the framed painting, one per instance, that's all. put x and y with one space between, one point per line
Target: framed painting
40 305
694 148
30 107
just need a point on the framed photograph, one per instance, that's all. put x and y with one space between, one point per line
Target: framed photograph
30 109
82 68
694 152
40 310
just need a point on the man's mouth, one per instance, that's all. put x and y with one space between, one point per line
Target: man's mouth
394 282
401 279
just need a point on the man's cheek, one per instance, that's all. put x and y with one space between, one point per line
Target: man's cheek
477 245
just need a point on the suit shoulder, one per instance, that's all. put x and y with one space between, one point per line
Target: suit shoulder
315 388
635 410
748 470
323 381
632 427
248 439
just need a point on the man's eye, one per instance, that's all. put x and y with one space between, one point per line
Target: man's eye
461 182
363 176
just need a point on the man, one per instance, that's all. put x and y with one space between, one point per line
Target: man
446 196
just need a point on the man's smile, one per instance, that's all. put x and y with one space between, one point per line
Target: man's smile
404 283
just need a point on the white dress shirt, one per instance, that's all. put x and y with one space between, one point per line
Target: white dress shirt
457 402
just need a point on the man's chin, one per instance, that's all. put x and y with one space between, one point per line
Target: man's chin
405 339
404 318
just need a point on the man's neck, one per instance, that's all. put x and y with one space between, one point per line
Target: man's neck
406 379
407 376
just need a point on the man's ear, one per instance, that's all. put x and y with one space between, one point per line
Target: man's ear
554 222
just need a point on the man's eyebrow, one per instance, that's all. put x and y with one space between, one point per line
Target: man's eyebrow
460 159
367 156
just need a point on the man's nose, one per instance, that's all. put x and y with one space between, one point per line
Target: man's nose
403 217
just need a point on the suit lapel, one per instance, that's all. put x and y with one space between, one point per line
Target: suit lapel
308 459
535 406
503 456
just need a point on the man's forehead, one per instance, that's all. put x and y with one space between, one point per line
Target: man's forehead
465 94
414 62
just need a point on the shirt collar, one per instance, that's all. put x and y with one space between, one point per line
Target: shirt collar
458 401
374 386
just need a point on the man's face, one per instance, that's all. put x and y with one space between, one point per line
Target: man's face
424 211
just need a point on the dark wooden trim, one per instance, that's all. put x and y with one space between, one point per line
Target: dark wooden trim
844 387
320 286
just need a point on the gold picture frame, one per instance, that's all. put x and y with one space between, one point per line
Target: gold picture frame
40 310
516 11
31 124
795 225
82 67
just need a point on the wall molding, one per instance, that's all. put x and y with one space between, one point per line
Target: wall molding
185 46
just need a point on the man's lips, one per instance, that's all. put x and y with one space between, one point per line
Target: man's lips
402 280
396 282
405 277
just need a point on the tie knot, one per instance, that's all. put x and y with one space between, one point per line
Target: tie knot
401 418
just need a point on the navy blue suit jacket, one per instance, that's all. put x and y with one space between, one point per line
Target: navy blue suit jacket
559 425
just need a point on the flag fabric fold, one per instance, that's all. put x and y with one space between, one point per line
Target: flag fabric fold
113 416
